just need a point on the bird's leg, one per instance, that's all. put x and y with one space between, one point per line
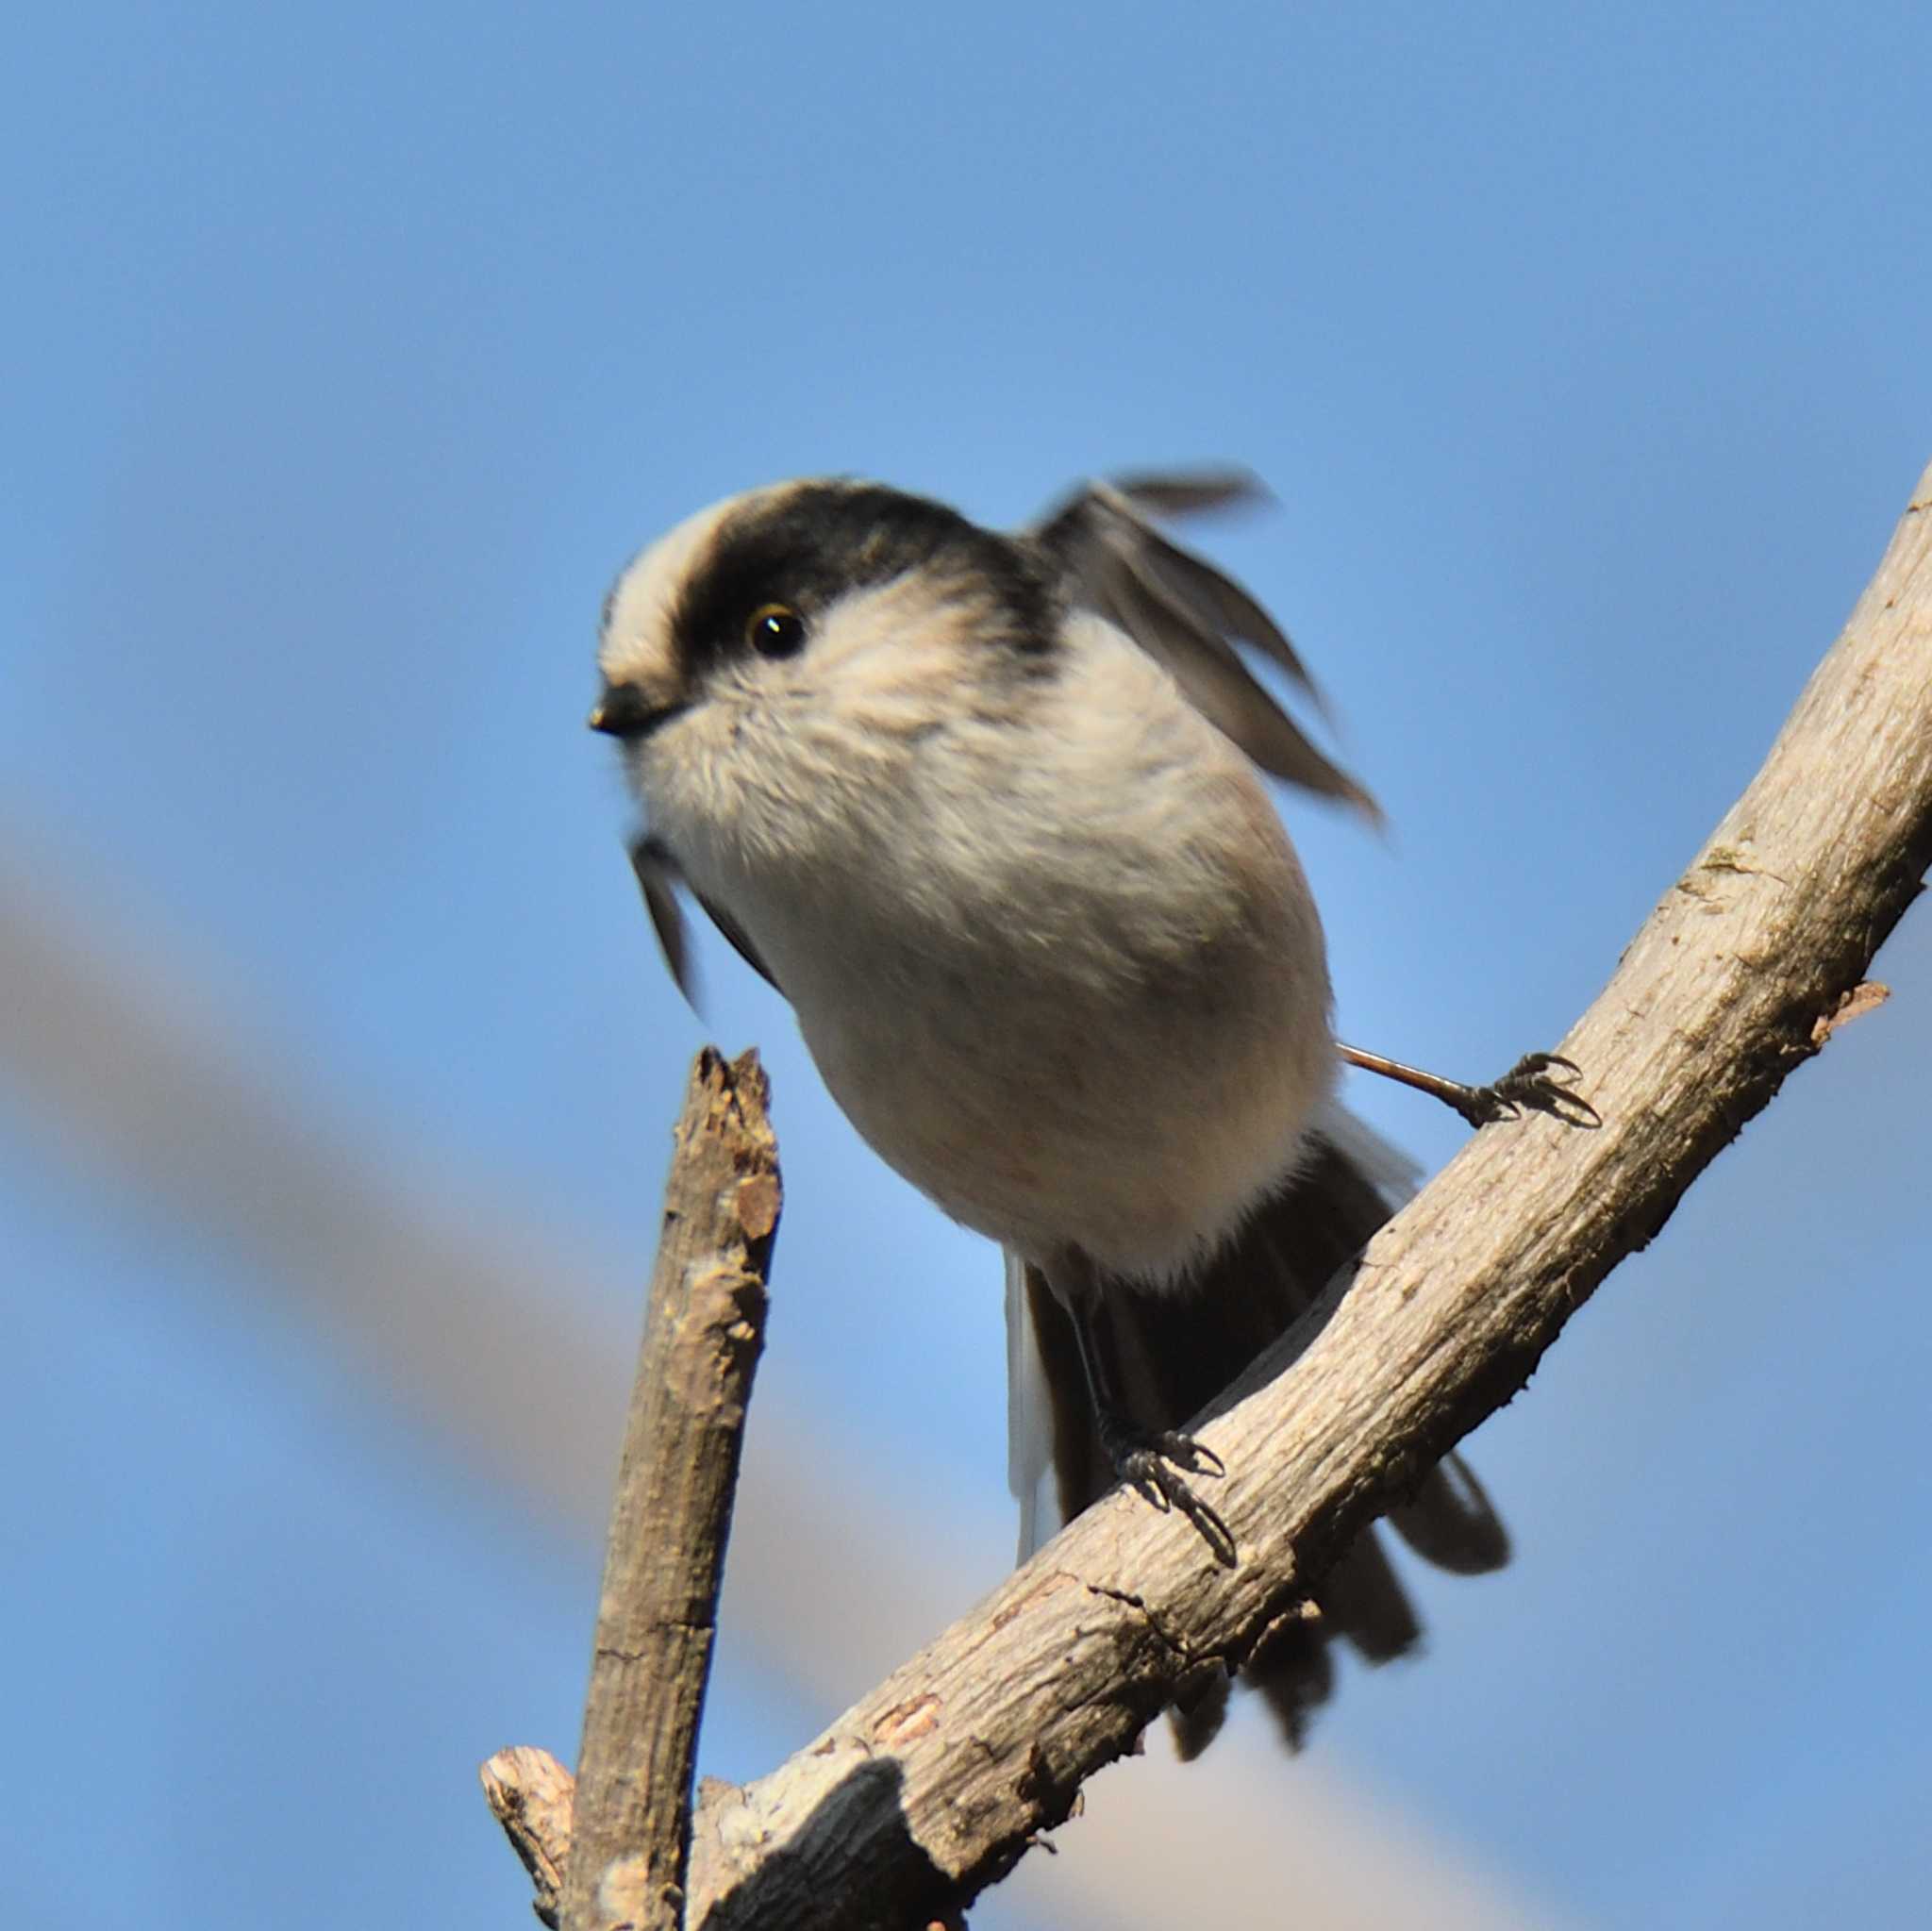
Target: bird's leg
1152 1460
1531 1084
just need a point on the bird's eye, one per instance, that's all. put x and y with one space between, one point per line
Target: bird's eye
775 630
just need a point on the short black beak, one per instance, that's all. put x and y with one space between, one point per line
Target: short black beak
623 711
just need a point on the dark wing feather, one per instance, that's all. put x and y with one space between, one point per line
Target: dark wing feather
659 877
1175 1352
739 943
1188 616
1189 493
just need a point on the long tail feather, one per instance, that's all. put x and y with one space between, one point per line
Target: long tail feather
1176 1349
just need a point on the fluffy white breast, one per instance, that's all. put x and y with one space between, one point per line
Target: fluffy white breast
1046 939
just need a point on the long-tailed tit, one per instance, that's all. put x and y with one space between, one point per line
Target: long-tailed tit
989 809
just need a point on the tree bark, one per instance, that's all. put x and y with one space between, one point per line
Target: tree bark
656 1618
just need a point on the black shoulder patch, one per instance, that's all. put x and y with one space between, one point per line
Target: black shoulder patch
822 540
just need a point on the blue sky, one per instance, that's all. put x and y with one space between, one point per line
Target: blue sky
351 353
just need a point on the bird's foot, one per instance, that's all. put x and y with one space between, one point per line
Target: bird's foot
1157 1464
1533 1085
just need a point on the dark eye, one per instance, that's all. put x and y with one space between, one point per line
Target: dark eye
775 630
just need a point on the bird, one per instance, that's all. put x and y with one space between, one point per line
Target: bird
990 809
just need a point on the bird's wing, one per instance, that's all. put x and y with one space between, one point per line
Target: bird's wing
658 878
1191 617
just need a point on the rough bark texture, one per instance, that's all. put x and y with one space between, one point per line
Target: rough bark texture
533 1797
934 1784
672 1511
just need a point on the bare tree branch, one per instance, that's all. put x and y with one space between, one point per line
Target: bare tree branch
934 1784
662 1565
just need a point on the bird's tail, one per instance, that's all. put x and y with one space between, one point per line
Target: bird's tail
1177 1349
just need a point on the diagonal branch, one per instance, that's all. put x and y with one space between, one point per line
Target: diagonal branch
934 1784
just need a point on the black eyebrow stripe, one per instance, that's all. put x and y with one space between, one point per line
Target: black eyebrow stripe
822 540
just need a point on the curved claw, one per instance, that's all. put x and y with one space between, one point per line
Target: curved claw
1184 1452
1528 1084
1149 1471
1153 1465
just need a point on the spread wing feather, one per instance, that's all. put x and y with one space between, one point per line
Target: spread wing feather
1188 616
